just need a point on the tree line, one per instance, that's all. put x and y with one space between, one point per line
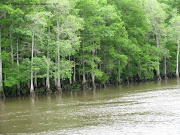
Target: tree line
54 45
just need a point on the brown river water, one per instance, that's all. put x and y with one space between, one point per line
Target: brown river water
147 108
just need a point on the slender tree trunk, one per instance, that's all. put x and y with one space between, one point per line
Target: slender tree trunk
93 81
35 74
74 73
158 70
177 62
1 77
12 55
48 89
83 63
32 53
70 79
35 81
18 53
55 78
100 68
5 51
93 76
18 85
165 67
58 61
84 76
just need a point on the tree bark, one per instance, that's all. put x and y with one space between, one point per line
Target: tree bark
84 76
158 70
74 73
165 68
18 53
70 79
93 76
18 85
35 74
1 77
5 51
32 53
55 78
12 55
48 89
177 62
35 81
58 61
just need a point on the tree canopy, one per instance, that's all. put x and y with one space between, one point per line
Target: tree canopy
59 45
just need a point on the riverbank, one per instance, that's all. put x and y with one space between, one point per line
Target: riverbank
69 88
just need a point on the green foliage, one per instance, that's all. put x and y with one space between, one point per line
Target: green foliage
16 75
110 41
103 78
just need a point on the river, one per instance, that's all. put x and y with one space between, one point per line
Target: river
147 108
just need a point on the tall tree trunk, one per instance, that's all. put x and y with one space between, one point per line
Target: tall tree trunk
12 55
55 78
32 53
70 79
35 74
74 73
93 76
48 90
18 85
100 68
84 76
5 51
165 67
5 68
158 70
35 81
1 77
177 62
58 61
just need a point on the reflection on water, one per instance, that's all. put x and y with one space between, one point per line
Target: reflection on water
140 108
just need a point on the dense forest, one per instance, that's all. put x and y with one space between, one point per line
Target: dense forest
55 45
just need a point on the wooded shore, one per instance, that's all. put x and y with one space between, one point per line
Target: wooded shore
49 46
